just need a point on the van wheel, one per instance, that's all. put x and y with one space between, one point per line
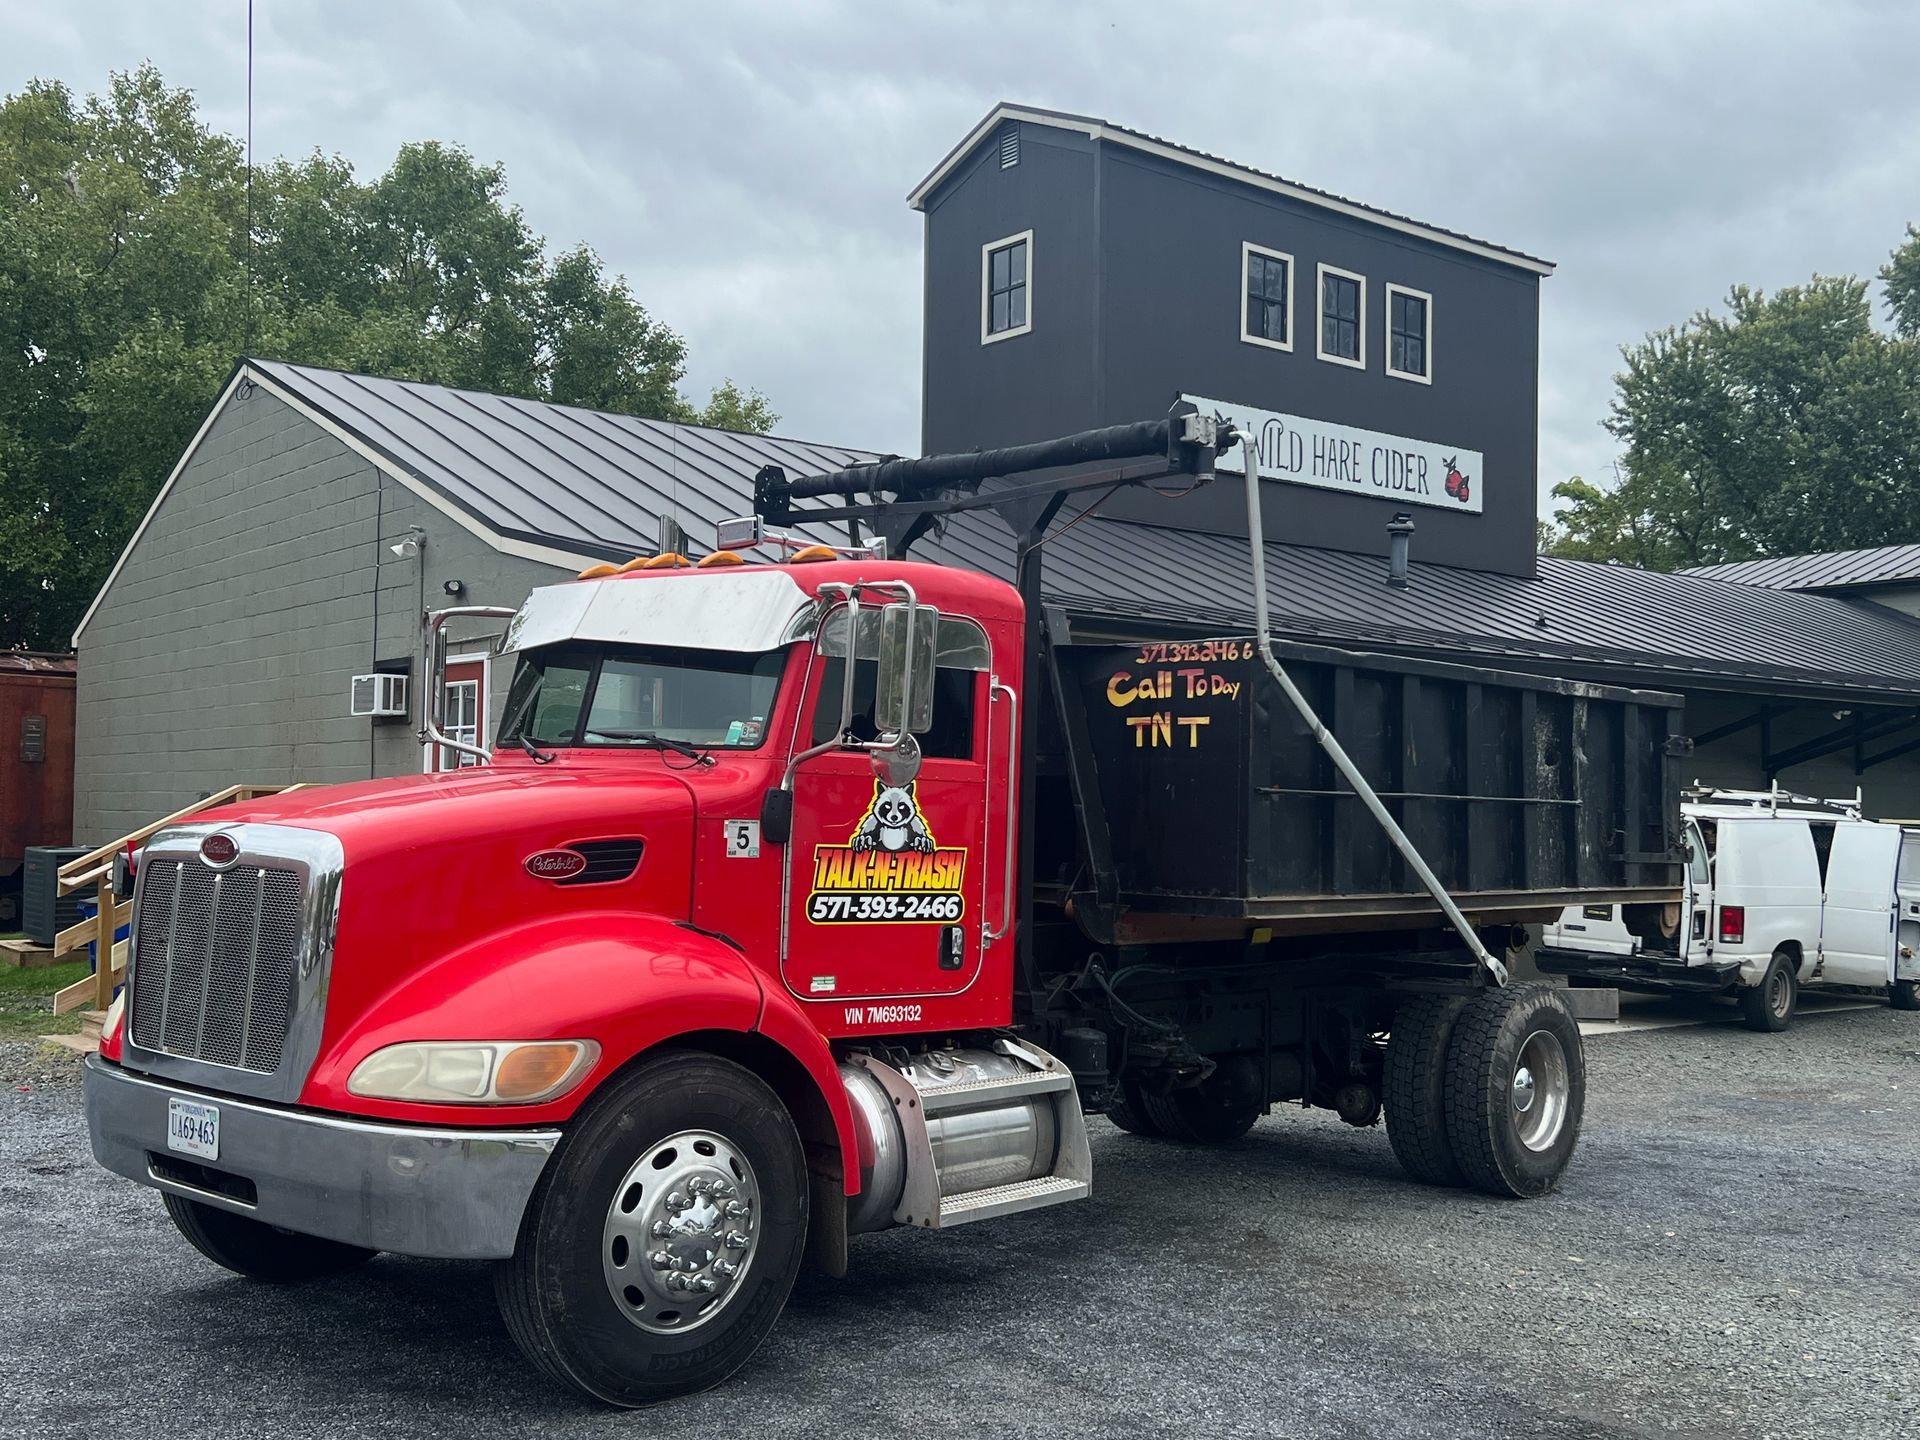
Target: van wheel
260 1251
1516 1090
1220 1108
1770 1005
664 1236
1905 995
1415 1087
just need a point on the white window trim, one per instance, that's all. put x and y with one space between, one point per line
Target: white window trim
1427 300
428 752
1247 251
1320 273
986 287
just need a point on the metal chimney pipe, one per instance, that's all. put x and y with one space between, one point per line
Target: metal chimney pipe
1399 532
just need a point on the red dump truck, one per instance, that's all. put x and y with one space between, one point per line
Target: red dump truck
807 897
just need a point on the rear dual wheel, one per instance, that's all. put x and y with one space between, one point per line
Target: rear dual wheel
1487 1092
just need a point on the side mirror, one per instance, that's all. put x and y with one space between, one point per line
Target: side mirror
903 695
776 816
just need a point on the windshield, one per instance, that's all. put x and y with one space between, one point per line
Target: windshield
640 695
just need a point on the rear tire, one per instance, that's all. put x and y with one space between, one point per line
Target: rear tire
1220 1108
1516 1090
1904 995
1126 1111
1769 1006
260 1251
1415 1085
685 1157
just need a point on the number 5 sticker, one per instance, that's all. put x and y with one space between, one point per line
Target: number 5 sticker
743 839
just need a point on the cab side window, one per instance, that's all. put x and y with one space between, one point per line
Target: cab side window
954 691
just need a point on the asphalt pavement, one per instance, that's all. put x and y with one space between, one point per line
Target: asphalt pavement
1732 1254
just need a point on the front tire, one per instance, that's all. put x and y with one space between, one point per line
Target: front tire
1904 995
1770 1005
1415 1083
663 1239
1516 1090
260 1251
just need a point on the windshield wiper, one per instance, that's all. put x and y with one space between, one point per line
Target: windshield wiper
653 737
540 757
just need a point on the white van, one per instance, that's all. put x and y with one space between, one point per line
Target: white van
1782 891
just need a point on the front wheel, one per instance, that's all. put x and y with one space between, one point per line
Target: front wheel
1516 1090
1770 1005
260 1251
1905 995
662 1241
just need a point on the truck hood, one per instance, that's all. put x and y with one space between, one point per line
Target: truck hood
469 812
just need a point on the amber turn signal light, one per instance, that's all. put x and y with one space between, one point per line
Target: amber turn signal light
533 1072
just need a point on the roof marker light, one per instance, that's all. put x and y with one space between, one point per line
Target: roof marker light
811 553
718 558
595 572
668 561
638 562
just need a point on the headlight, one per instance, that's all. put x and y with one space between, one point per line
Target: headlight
474 1072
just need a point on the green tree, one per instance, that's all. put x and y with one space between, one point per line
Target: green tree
128 287
1788 424
1901 275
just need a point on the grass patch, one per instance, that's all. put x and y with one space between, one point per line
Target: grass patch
26 1000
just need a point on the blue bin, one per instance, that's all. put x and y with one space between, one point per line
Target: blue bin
89 909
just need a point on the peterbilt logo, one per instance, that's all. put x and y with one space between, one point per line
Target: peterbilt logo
219 850
555 864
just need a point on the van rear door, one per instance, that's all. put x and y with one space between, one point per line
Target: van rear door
1857 922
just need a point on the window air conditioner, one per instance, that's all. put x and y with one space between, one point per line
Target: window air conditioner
380 695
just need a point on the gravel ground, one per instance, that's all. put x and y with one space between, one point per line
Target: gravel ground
1731 1255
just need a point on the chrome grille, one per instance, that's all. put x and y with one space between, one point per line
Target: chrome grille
215 960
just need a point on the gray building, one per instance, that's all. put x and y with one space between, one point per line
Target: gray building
317 514
312 519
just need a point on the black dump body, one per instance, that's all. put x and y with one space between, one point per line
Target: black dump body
1524 793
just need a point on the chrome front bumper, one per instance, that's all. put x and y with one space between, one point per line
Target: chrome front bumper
455 1194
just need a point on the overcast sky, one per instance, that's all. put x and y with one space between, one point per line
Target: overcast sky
745 165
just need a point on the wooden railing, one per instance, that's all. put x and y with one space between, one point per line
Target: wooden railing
96 868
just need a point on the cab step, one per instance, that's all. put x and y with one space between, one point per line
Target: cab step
1010 1199
979 1094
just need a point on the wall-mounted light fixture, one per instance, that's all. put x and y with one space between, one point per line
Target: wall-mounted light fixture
410 544
455 587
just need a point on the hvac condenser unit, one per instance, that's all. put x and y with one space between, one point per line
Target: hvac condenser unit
381 696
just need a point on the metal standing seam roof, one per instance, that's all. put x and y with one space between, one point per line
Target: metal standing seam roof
581 480
1096 128
1827 570
586 482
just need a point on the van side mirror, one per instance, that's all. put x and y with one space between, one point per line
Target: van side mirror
903 694
776 816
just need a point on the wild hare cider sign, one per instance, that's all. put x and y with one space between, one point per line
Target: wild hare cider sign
555 864
1303 451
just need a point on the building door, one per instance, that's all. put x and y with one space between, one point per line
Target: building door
463 709
1857 927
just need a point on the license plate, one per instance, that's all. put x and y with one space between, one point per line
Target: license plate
193 1129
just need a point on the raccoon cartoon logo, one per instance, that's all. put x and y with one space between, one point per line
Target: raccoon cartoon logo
889 869
893 823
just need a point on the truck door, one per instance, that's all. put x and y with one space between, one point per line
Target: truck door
1857 921
888 885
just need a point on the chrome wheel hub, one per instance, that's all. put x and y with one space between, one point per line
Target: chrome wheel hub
1541 1090
681 1232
